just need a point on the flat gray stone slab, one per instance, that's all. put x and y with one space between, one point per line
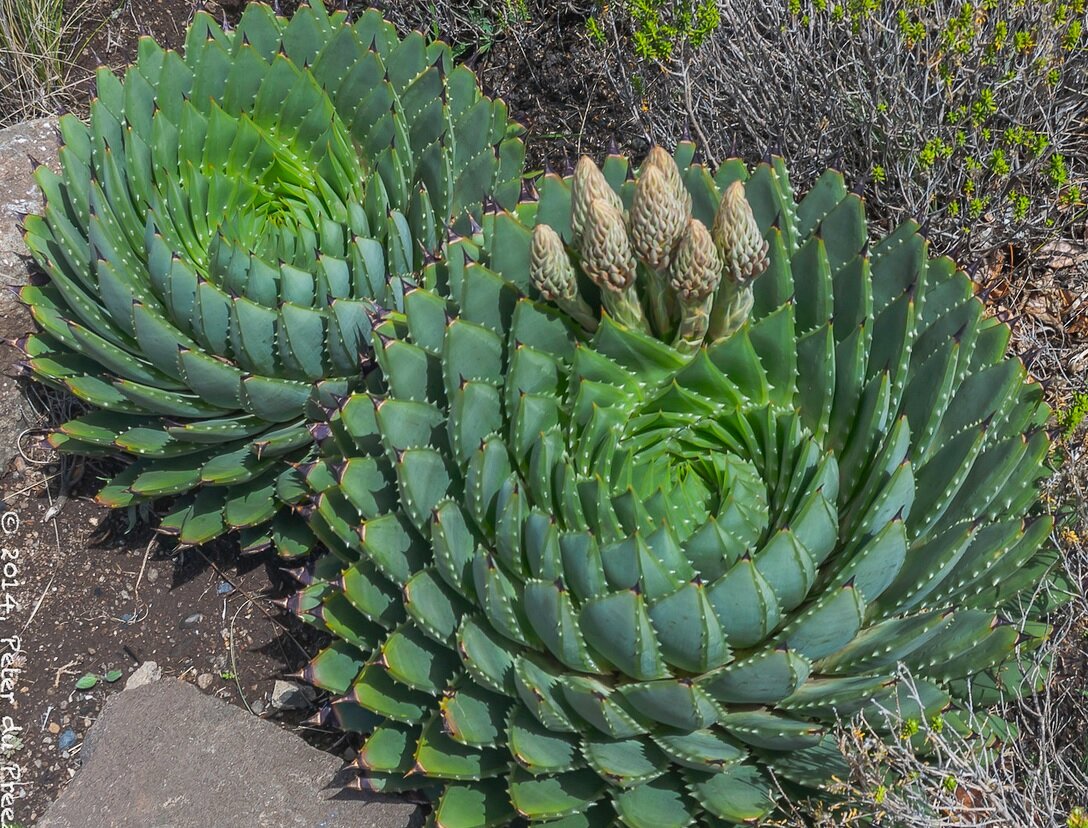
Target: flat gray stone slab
22 147
166 756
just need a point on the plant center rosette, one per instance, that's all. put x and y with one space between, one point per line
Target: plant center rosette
217 239
586 570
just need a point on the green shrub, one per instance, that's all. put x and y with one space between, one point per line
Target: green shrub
660 28
966 112
1071 416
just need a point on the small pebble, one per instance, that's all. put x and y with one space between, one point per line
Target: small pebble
152 575
257 707
224 588
67 739
195 618
287 695
204 680
146 673
127 617
54 727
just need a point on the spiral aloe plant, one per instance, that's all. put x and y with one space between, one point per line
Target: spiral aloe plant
585 569
219 234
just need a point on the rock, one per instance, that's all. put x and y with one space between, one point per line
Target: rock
21 148
147 673
66 740
286 695
257 707
193 619
167 755
204 681
54 728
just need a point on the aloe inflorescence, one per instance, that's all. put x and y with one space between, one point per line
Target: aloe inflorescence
220 236
674 473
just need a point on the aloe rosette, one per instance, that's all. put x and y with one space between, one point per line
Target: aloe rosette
584 571
219 234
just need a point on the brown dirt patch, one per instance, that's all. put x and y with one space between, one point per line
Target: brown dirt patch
94 607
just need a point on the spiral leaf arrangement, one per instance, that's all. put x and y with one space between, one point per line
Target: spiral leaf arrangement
597 555
220 235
